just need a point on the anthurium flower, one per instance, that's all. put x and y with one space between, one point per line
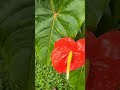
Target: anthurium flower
68 55
104 63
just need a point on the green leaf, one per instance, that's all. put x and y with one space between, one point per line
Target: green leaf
56 19
115 9
77 79
81 32
94 11
105 24
16 44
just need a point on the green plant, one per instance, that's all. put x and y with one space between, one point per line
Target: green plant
55 19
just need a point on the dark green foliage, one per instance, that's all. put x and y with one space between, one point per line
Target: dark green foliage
16 44
47 78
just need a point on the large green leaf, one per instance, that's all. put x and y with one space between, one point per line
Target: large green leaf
56 19
16 44
94 11
115 9
77 79
106 22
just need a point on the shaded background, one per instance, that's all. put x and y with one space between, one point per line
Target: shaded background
17 45
103 44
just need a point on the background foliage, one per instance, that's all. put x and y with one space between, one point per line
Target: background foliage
102 16
16 45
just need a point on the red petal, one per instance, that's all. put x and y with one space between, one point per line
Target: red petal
109 45
61 51
59 57
105 73
91 45
81 45
66 42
